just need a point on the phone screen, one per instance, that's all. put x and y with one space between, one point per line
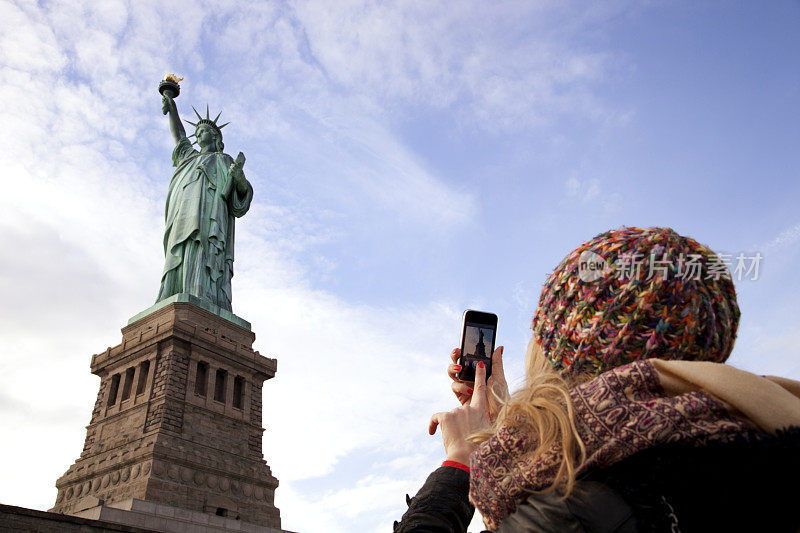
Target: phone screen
477 343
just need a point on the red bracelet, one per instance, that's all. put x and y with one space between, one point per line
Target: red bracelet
456 464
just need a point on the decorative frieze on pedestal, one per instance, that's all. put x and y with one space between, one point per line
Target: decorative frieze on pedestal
177 421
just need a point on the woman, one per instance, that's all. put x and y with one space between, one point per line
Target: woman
628 420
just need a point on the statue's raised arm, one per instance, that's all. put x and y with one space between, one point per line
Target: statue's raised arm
169 90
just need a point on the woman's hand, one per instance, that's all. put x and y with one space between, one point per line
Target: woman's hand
463 421
497 382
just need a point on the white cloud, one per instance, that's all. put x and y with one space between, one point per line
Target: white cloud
500 62
573 186
767 348
349 366
592 193
28 44
785 239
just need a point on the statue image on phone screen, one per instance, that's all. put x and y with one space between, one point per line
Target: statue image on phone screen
476 339
477 342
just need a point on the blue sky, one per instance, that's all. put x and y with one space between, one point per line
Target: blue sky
410 160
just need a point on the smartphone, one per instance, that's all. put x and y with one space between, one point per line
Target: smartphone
478 332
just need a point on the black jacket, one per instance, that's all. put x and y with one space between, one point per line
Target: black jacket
749 485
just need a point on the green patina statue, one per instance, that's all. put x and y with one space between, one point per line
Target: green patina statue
207 191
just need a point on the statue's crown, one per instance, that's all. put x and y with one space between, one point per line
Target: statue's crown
208 121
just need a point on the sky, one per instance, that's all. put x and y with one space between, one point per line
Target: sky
410 160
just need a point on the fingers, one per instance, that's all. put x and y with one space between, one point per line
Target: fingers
462 390
497 364
435 421
479 394
497 383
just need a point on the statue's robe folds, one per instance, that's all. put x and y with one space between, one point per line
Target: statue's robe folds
198 238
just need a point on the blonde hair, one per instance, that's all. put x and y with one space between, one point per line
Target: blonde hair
542 408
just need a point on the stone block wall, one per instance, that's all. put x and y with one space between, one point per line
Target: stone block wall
156 436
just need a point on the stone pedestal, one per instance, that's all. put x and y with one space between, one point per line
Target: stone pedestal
177 421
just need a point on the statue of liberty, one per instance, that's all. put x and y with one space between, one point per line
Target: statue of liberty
480 346
207 191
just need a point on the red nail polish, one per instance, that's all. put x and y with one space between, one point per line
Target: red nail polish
480 364
469 391
501 350
457 368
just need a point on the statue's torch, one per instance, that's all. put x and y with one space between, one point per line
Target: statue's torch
169 87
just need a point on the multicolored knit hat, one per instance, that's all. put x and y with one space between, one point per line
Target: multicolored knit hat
631 294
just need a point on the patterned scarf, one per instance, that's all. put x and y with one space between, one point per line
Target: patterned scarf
617 414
